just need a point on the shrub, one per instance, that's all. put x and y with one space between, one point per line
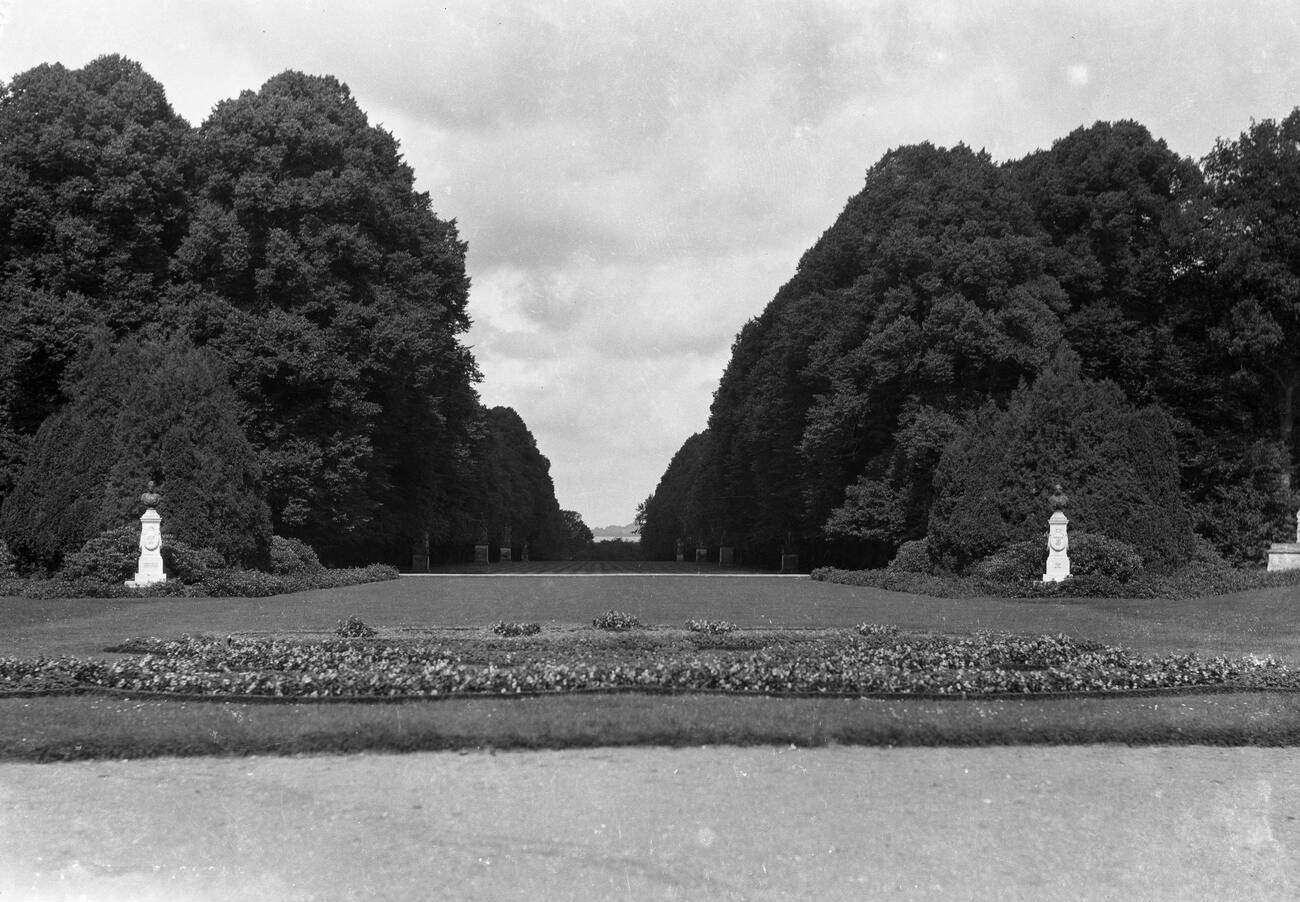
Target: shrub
504 628
712 627
188 564
913 557
1118 463
1016 563
255 584
180 426
354 628
293 556
8 570
1099 556
110 557
1091 555
617 621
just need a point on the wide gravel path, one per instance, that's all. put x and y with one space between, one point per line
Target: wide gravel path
1093 822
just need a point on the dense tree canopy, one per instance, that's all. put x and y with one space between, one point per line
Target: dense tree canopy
949 281
283 239
994 478
336 296
93 204
140 411
516 505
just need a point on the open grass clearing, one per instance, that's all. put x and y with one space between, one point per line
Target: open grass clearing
84 727
1262 622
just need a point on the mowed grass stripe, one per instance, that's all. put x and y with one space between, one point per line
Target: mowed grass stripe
53 729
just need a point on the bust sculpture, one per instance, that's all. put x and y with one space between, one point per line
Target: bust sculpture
1058 499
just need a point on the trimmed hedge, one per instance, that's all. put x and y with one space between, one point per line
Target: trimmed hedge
1195 580
222 584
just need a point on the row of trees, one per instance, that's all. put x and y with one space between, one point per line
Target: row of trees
262 314
949 284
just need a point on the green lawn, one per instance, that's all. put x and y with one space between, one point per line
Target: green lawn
1265 621
1259 622
57 728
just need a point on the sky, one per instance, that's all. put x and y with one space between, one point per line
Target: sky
636 179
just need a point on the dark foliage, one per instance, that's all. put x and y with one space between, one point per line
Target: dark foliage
180 426
1118 464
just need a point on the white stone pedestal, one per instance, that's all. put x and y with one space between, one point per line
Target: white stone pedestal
150 568
1284 556
1058 546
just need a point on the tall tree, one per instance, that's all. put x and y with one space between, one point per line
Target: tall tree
672 513
337 298
1255 243
515 493
93 203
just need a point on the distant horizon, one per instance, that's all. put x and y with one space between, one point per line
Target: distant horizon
636 180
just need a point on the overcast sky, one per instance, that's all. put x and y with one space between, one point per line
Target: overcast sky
636 179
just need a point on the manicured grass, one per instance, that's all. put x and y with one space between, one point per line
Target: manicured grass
1263 622
49 729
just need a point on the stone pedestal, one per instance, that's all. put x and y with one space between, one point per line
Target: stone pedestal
1284 556
505 554
420 555
726 556
523 553
789 563
149 570
701 555
1058 547
481 554
681 551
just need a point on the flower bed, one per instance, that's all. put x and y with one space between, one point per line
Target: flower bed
869 660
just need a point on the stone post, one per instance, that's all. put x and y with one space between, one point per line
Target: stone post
420 554
1058 546
505 546
1286 555
149 569
681 551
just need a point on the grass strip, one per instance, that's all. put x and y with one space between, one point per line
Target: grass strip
87 727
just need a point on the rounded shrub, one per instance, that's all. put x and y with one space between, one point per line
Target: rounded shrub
110 557
913 557
188 564
617 621
1102 557
1015 563
1118 464
354 628
293 557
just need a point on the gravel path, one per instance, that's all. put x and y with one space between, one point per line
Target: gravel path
1094 822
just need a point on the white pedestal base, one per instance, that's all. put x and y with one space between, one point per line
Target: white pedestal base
150 568
1284 556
